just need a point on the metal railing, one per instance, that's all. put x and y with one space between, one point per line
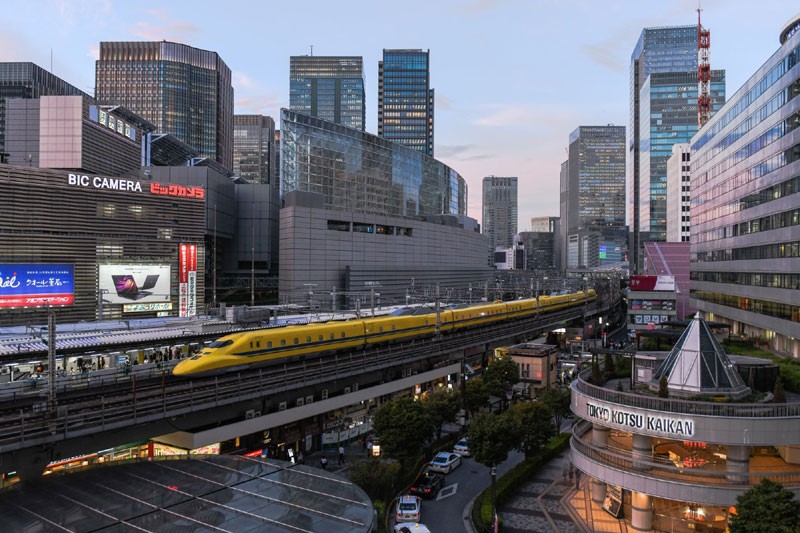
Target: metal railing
689 407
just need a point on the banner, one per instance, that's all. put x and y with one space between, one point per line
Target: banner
187 280
36 285
131 283
652 283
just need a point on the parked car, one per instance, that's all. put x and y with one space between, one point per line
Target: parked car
408 509
427 485
411 527
445 462
462 448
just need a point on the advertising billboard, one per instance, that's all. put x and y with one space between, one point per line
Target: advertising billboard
128 284
187 280
652 283
36 285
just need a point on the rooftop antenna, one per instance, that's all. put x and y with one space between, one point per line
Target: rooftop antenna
703 72
312 50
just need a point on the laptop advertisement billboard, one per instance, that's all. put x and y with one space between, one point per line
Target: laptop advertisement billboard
127 284
36 285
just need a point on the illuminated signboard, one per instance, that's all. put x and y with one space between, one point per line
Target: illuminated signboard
140 308
650 423
122 184
111 122
187 280
36 285
134 284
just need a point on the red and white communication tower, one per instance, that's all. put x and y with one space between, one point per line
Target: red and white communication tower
703 73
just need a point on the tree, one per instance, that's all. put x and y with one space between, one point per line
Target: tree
441 406
663 387
778 396
476 397
766 508
558 403
608 366
500 376
380 479
490 438
403 426
532 425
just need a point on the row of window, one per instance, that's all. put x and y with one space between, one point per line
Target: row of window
762 307
361 227
765 251
769 79
757 145
757 279
778 220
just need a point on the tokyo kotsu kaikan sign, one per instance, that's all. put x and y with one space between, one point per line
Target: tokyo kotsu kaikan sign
631 420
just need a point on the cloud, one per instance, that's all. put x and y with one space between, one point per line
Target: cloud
460 152
263 104
242 80
442 102
167 28
94 52
606 55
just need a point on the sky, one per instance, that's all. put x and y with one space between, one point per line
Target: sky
512 78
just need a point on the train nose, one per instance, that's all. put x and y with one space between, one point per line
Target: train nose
185 368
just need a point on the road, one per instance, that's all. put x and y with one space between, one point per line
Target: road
445 513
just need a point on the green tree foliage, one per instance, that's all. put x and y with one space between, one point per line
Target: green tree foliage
766 508
441 406
778 395
500 376
490 438
608 366
380 479
557 402
403 426
531 424
476 396
663 387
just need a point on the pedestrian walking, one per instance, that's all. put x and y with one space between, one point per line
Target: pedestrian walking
341 454
323 462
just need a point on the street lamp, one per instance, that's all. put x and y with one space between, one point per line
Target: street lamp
493 473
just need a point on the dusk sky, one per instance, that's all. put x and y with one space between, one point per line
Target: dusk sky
513 78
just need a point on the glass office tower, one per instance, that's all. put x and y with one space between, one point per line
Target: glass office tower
745 238
499 211
183 90
254 148
363 173
329 87
658 50
593 197
405 99
28 80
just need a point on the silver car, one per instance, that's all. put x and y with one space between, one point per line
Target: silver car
444 462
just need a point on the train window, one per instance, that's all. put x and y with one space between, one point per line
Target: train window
258 344
308 339
333 336
296 340
269 344
322 337
220 344
342 335
283 342
380 329
393 327
251 344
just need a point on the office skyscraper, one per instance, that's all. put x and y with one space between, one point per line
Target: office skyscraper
183 90
254 148
499 211
663 112
328 87
28 80
593 197
405 99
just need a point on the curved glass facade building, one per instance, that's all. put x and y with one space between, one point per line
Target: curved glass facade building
364 173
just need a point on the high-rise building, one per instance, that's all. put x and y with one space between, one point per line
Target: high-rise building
593 197
663 103
184 91
678 193
499 212
745 239
405 99
328 87
254 148
28 80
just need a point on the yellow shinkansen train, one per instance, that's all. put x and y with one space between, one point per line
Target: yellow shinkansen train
239 350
